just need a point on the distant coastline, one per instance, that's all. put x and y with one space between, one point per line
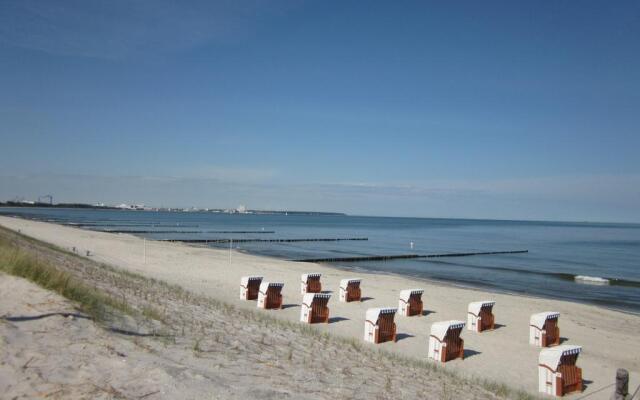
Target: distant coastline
57 205
575 223
168 209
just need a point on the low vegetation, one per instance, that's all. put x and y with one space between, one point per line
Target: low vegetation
19 263
203 326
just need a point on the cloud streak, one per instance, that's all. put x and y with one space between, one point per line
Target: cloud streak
118 29
227 174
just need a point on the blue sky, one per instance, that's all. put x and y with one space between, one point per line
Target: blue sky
515 110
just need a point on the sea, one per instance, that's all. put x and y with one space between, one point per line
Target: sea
595 263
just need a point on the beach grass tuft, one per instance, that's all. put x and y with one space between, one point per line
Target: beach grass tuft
152 313
16 262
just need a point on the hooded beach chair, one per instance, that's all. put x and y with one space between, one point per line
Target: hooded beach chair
544 330
249 287
310 283
557 370
480 317
314 308
445 343
350 290
410 302
379 326
270 295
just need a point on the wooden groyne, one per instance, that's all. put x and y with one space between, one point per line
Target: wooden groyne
406 256
147 231
152 231
260 240
240 231
135 225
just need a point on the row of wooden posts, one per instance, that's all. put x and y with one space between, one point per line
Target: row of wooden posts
557 370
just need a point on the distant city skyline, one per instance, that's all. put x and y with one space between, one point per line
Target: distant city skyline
472 110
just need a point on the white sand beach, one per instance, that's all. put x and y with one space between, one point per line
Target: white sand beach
609 338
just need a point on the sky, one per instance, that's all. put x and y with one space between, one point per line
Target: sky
507 110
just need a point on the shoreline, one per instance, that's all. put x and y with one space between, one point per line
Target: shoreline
605 334
497 275
485 289
431 281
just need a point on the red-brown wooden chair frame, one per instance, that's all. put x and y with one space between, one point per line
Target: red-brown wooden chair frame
386 328
487 319
319 311
551 337
273 297
454 345
415 304
571 379
253 288
353 292
313 284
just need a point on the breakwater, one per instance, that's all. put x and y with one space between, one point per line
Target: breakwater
206 241
406 256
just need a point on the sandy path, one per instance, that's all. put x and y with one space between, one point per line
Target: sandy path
609 338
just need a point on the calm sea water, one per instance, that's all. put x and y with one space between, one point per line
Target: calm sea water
558 252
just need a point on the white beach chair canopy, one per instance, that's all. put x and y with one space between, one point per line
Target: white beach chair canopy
345 282
305 277
551 356
539 319
440 329
244 281
265 285
373 313
476 306
406 294
309 297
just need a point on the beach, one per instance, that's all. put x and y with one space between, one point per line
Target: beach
117 334
609 338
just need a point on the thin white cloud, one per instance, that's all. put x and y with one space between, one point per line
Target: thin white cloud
116 29
227 174
622 189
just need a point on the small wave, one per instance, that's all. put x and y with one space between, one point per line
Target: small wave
558 275
591 280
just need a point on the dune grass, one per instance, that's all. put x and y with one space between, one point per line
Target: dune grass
17 262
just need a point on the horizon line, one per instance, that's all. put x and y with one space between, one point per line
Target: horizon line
341 213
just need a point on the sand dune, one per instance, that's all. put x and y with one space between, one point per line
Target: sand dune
503 355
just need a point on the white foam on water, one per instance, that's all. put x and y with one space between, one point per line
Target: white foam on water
591 280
